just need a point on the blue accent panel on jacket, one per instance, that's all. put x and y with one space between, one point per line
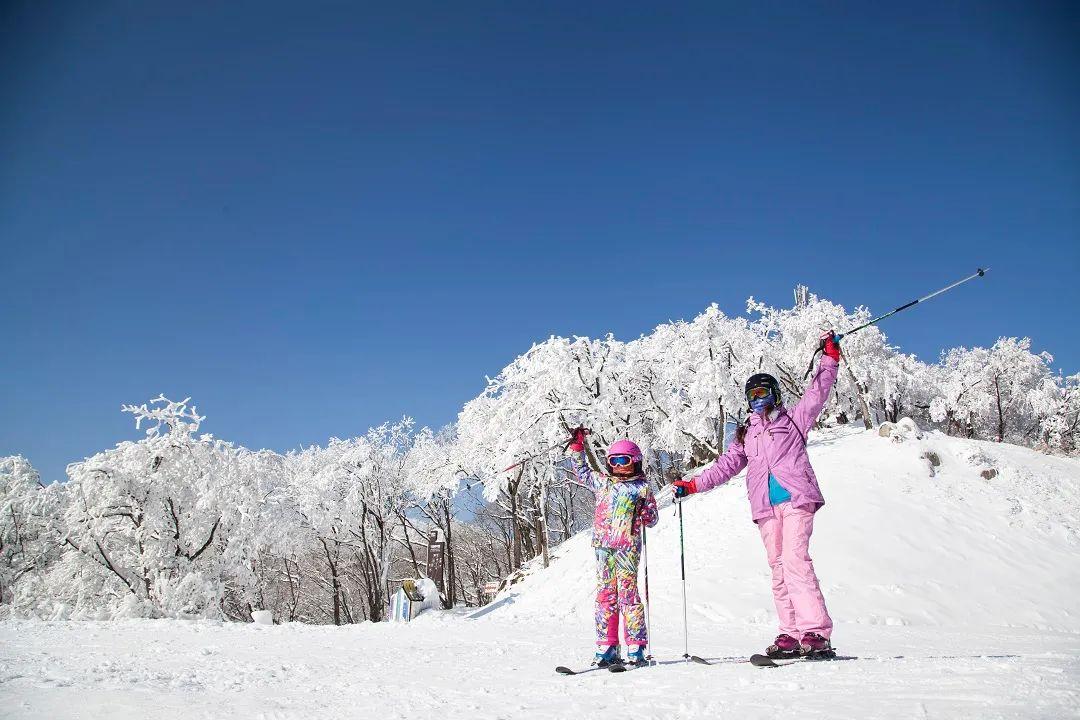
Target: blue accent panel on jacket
777 493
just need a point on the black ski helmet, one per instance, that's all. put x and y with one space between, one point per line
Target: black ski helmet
764 380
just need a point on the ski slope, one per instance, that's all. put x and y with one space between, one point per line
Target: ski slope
893 546
956 593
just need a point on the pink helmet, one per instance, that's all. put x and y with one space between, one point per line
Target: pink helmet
625 447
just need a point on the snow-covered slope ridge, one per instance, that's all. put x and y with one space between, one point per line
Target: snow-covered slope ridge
900 541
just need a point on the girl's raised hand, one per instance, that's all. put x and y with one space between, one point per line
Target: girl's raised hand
577 442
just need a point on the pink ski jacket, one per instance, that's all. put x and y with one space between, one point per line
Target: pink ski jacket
777 446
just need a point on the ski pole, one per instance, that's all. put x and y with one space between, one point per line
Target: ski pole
562 443
977 274
682 567
648 605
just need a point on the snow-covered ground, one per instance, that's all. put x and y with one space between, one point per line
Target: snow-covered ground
452 667
957 594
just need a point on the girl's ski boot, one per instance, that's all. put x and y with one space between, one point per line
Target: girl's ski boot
607 657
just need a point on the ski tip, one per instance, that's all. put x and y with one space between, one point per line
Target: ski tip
699 660
762 661
562 670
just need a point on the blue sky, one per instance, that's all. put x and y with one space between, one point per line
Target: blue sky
316 217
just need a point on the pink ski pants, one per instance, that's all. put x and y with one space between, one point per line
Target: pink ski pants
799 603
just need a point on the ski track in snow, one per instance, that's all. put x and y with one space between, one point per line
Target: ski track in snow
957 594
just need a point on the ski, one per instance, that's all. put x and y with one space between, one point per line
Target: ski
563 670
766 661
619 667
755 660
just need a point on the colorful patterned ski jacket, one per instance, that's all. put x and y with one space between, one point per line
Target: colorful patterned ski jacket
777 446
621 506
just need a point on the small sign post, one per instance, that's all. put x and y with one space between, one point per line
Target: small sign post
436 559
490 589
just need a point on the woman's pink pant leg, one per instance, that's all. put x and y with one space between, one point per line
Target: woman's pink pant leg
800 605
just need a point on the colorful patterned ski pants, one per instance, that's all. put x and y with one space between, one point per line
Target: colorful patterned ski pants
616 591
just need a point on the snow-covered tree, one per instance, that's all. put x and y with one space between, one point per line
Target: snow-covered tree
1005 392
28 533
179 523
155 527
1060 397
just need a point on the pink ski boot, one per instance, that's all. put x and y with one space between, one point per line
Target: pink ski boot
784 646
816 647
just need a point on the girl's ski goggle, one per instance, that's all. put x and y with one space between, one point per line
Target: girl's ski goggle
620 460
758 393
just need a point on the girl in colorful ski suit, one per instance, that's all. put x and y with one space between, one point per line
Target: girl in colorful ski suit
624 505
784 496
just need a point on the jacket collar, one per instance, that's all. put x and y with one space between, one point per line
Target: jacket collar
756 419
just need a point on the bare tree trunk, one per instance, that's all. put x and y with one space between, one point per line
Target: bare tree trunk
571 511
336 584
292 589
451 566
540 526
540 529
345 609
461 586
515 535
868 422
1001 414
720 431
408 544
528 547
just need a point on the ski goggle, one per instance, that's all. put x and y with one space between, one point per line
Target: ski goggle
620 460
758 393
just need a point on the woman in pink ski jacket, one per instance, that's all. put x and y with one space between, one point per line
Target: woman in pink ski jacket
624 506
784 495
